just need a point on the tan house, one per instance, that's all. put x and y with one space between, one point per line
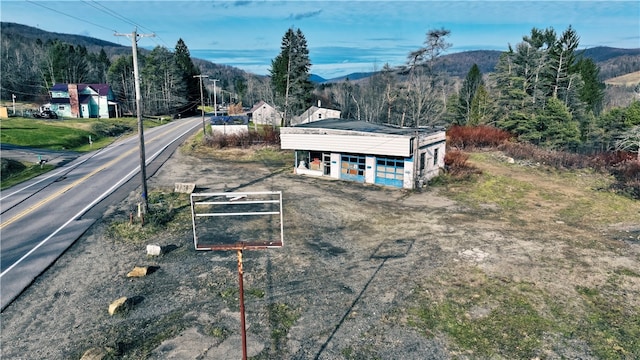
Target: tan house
265 114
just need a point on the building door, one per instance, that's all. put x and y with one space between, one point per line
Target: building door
326 161
390 171
352 167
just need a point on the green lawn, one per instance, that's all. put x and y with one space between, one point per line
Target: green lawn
80 135
74 134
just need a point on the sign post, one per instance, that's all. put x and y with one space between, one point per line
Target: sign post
222 221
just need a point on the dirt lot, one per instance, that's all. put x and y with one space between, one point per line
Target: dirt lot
358 260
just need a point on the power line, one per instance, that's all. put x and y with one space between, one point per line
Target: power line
100 7
104 9
71 16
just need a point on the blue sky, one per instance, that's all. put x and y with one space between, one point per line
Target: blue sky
343 36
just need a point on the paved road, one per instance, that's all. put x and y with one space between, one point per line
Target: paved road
42 217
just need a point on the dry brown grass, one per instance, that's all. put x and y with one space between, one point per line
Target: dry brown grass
627 80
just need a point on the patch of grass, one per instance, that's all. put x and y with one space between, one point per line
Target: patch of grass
506 192
42 134
67 134
168 212
139 344
610 327
595 207
351 353
489 318
627 272
15 174
218 332
257 293
518 191
485 318
281 319
268 155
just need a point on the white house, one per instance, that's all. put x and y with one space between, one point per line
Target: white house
366 152
315 113
265 114
83 101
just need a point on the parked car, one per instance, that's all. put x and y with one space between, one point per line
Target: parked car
46 114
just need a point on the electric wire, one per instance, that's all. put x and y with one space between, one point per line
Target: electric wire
71 16
100 7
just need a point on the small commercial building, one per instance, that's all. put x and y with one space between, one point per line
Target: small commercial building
366 152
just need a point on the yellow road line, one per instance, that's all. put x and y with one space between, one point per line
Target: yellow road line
63 190
75 183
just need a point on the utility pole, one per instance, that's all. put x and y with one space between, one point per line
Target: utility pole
204 128
143 167
215 101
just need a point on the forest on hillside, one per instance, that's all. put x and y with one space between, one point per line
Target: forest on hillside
33 60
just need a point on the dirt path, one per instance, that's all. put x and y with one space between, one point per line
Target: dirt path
355 258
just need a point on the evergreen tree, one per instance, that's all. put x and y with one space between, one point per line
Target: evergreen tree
545 67
557 128
592 92
481 107
189 94
290 74
562 61
466 95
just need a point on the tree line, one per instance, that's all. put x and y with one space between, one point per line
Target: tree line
542 89
169 80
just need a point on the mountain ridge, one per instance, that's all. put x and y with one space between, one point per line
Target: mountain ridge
455 64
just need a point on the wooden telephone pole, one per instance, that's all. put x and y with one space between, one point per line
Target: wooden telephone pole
143 168
204 128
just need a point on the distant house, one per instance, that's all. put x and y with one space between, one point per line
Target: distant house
315 113
265 114
366 152
83 101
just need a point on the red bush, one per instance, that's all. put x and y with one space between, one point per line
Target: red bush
468 137
264 136
455 163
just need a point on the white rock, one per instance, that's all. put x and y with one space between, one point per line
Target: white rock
154 250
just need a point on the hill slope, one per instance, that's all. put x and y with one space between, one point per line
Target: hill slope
18 32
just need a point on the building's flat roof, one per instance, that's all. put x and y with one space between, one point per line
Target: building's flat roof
363 126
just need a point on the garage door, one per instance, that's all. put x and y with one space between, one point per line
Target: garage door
352 167
390 171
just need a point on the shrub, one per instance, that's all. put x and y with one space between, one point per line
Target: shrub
11 167
557 159
627 174
456 166
102 129
263 136
472 137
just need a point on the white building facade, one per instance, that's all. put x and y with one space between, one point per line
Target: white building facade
366 152
315 113
264 114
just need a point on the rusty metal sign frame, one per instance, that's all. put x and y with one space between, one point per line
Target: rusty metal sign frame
238 198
